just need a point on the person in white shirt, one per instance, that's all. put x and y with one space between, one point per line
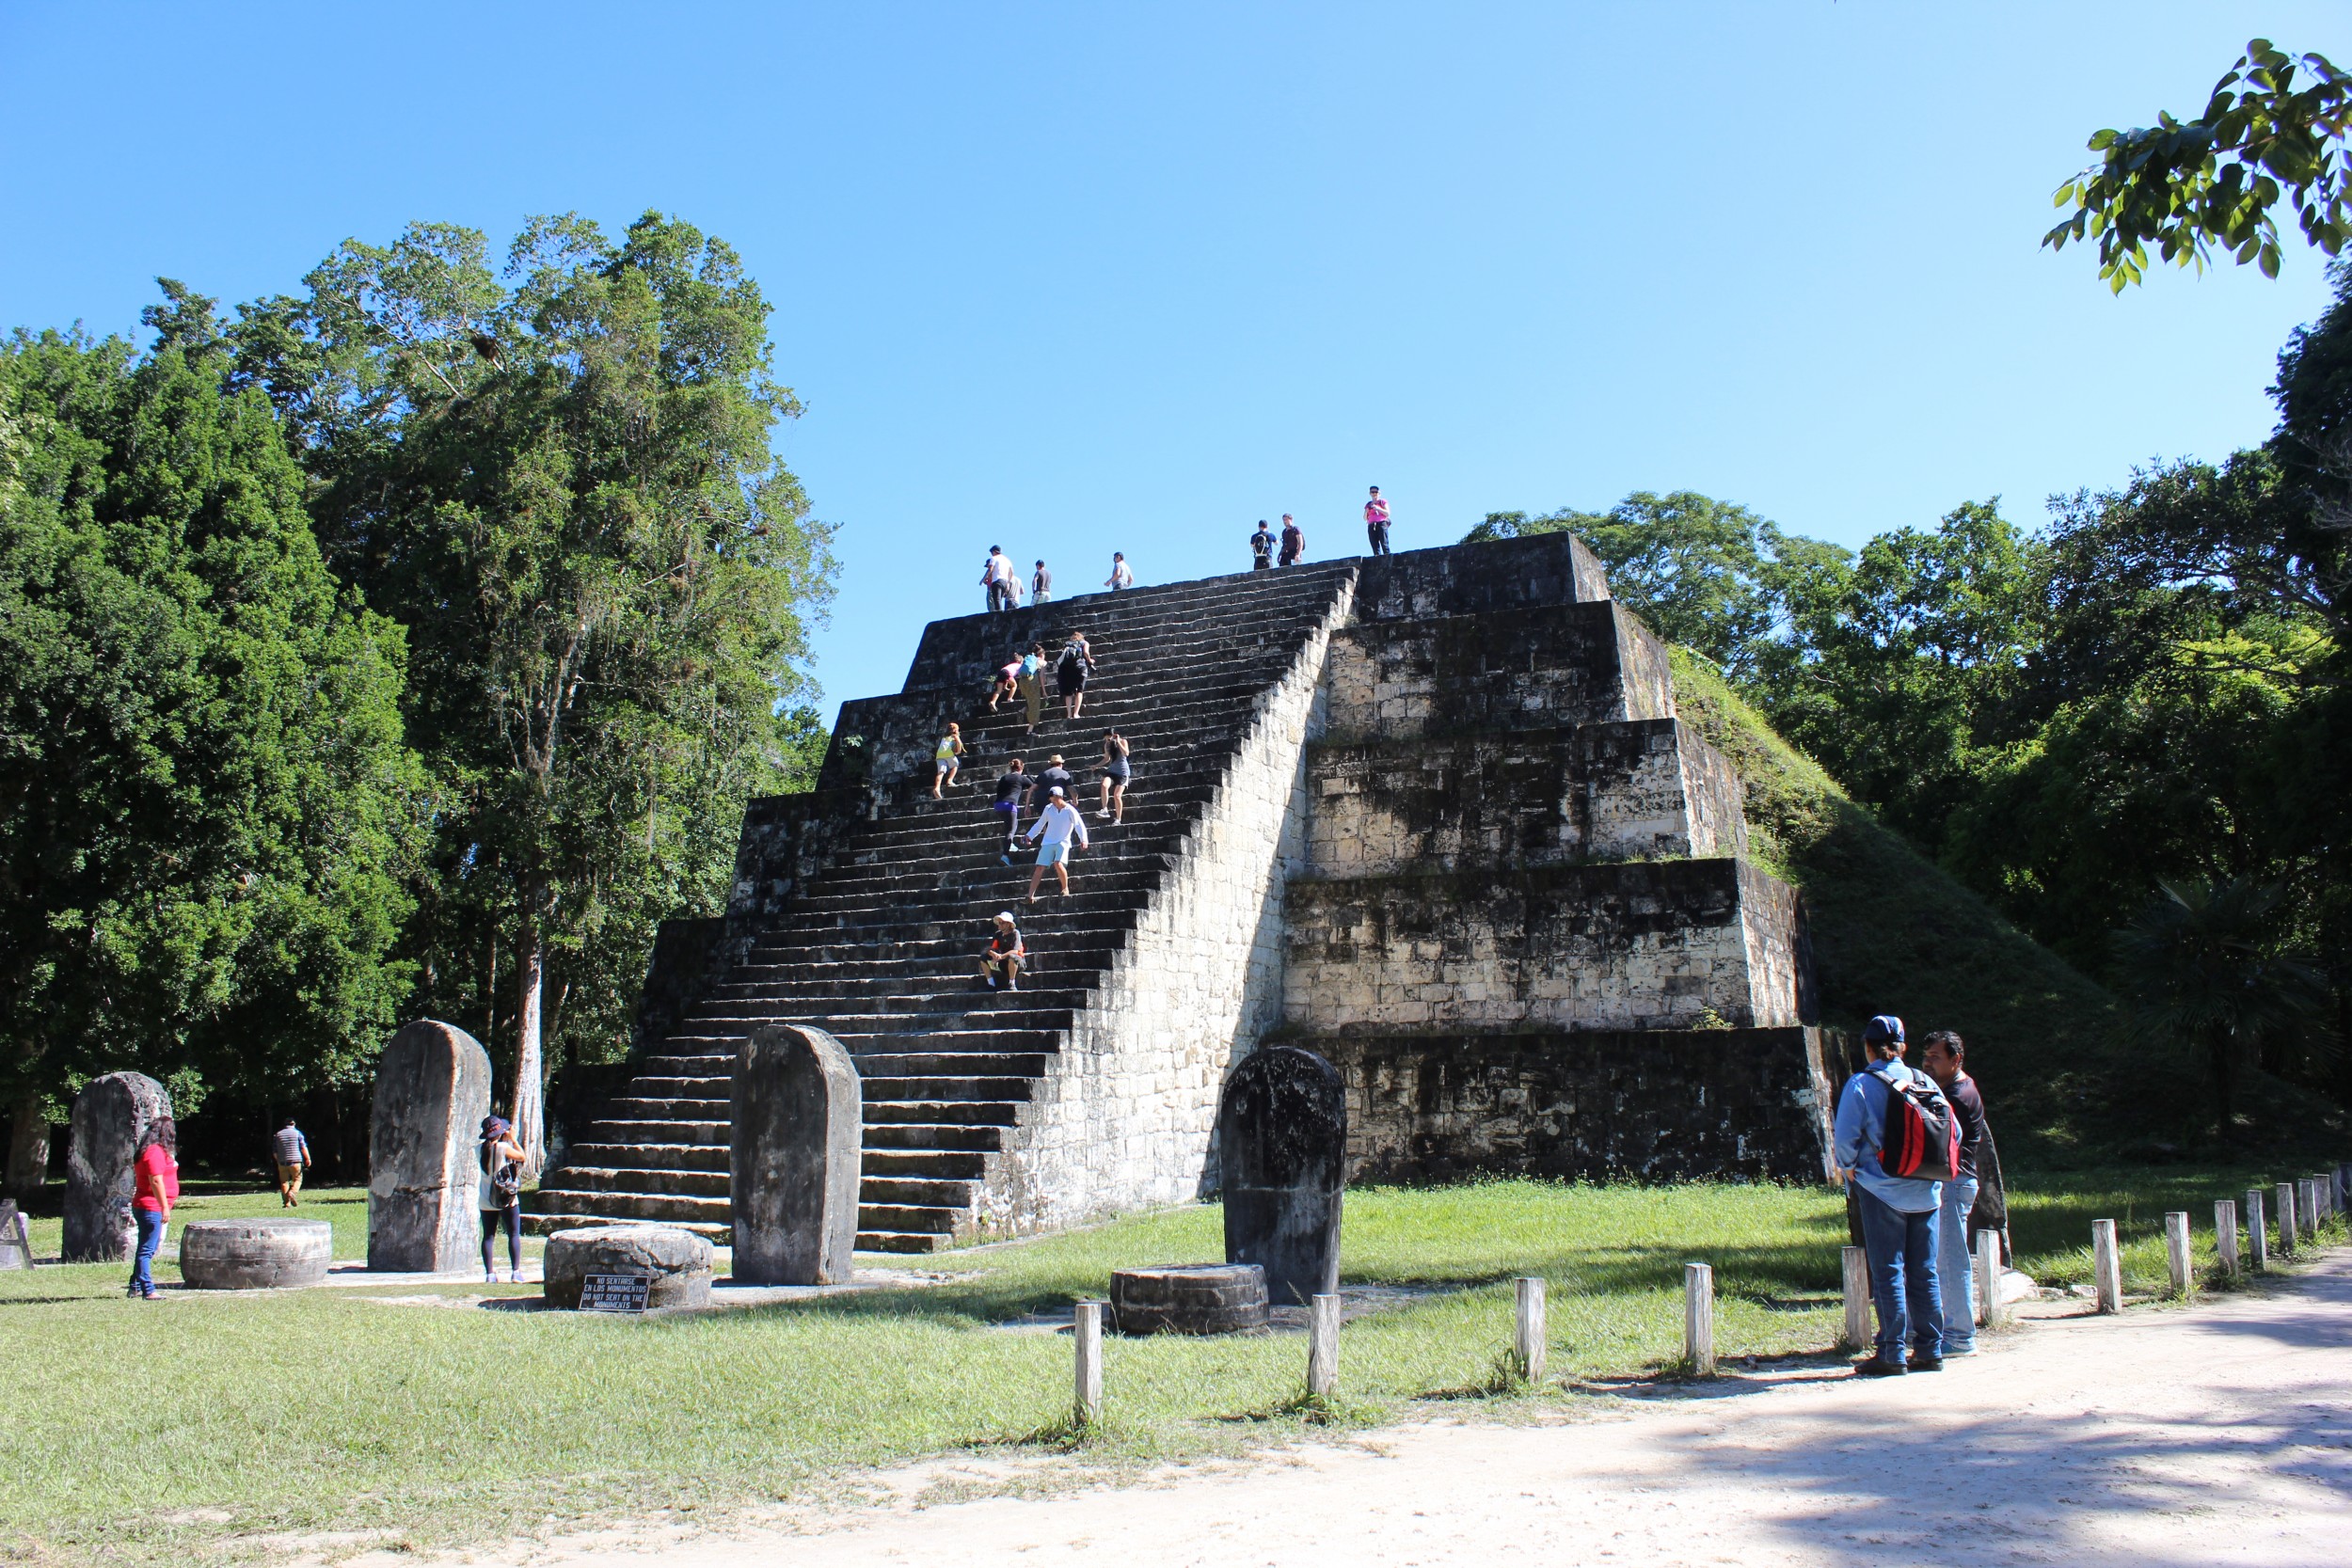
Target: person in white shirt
1121 577
1002 582
1054 827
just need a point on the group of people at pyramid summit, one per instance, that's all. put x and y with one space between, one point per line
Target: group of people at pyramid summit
1006 589
1914 1154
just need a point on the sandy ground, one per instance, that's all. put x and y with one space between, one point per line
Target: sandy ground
2220 1434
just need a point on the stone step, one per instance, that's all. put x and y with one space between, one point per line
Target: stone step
977 1113
889 1137
878 1191
895 1241
962 1165
944 1088
916 1219
703 1158
641 1179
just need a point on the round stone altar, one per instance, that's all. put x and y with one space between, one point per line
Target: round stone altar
1190 1298
677 1261
268 1254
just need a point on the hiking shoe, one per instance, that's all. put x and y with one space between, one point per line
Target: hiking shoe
1927 1364
1878 1366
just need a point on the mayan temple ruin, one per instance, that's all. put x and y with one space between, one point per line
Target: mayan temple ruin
1429 815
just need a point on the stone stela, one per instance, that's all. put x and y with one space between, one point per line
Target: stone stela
111 1116
1282 1140
16 1238
794 1133
432 1090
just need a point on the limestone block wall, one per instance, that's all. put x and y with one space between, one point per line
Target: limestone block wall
1541 668
1648 789
1124 1114
1659 1106
1634 945
1472 579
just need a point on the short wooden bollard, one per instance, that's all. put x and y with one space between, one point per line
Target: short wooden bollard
2106 1267
2225 1235
1855 1264
2285 1195
1698 1318
1991 1311
2257 1231
2176 1253
1323 1346
1086 1408
1528 1342
2315 1205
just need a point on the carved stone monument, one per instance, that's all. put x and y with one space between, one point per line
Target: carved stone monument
797 1130
675 1263
270 1253
432 1090
110 1115
1282 1135
16 1237
1189 1298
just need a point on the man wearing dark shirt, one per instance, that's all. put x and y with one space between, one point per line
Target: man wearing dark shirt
1012 793
1293 542
1054 777
1942 1060
1261 548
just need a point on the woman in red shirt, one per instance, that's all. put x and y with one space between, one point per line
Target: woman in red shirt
155 1188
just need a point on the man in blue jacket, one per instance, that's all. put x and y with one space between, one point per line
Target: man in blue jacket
1897 1213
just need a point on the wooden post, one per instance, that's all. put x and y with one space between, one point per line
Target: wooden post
2225 1235
1323 1346
2285 1194
2107 1269
1528 1343
2315 1203
2176 1254
1854 1264
2257 1230
1698 1318
1991 1311
1087 1408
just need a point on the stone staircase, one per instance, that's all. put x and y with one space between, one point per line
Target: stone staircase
874 938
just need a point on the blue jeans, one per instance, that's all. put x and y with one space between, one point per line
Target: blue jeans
1901 1249
143 1262
1954 1267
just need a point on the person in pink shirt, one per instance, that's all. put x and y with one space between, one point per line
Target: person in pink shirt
154 1190
1377 522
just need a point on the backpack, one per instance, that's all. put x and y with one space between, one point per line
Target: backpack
506 1181
1922 1137
1073 662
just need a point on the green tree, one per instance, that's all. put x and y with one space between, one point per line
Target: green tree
2186 186
204 798
2206 974
559 479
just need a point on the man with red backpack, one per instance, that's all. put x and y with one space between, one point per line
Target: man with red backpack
1896 1143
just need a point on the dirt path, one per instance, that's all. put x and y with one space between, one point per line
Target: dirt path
2217 1434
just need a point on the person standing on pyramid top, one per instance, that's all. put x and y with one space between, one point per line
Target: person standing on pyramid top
1261 548
1377 522
1121 577
1041 585
996 576
1294 542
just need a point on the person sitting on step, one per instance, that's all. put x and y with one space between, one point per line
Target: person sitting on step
1002 958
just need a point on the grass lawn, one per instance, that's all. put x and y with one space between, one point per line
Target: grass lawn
192 1424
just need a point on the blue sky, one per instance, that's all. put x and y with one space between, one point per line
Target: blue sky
1078 279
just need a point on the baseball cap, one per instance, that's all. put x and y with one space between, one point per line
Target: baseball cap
1054 792
1005 915
1886 1029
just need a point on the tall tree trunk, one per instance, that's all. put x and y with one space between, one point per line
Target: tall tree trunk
28 1149
531 1110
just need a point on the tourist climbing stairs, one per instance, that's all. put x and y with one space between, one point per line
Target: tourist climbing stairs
881 949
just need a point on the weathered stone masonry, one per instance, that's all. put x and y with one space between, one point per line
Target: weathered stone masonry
1431 815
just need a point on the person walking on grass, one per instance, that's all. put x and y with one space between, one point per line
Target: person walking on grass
1002 958
1377 522
1897 1208
1945 1056
1293 542
1041 585
1033 683
291 1152
1070 671
946 759
1122 577
1054 827
1114 778
1261 548
154 1193
1012 793
500 1196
